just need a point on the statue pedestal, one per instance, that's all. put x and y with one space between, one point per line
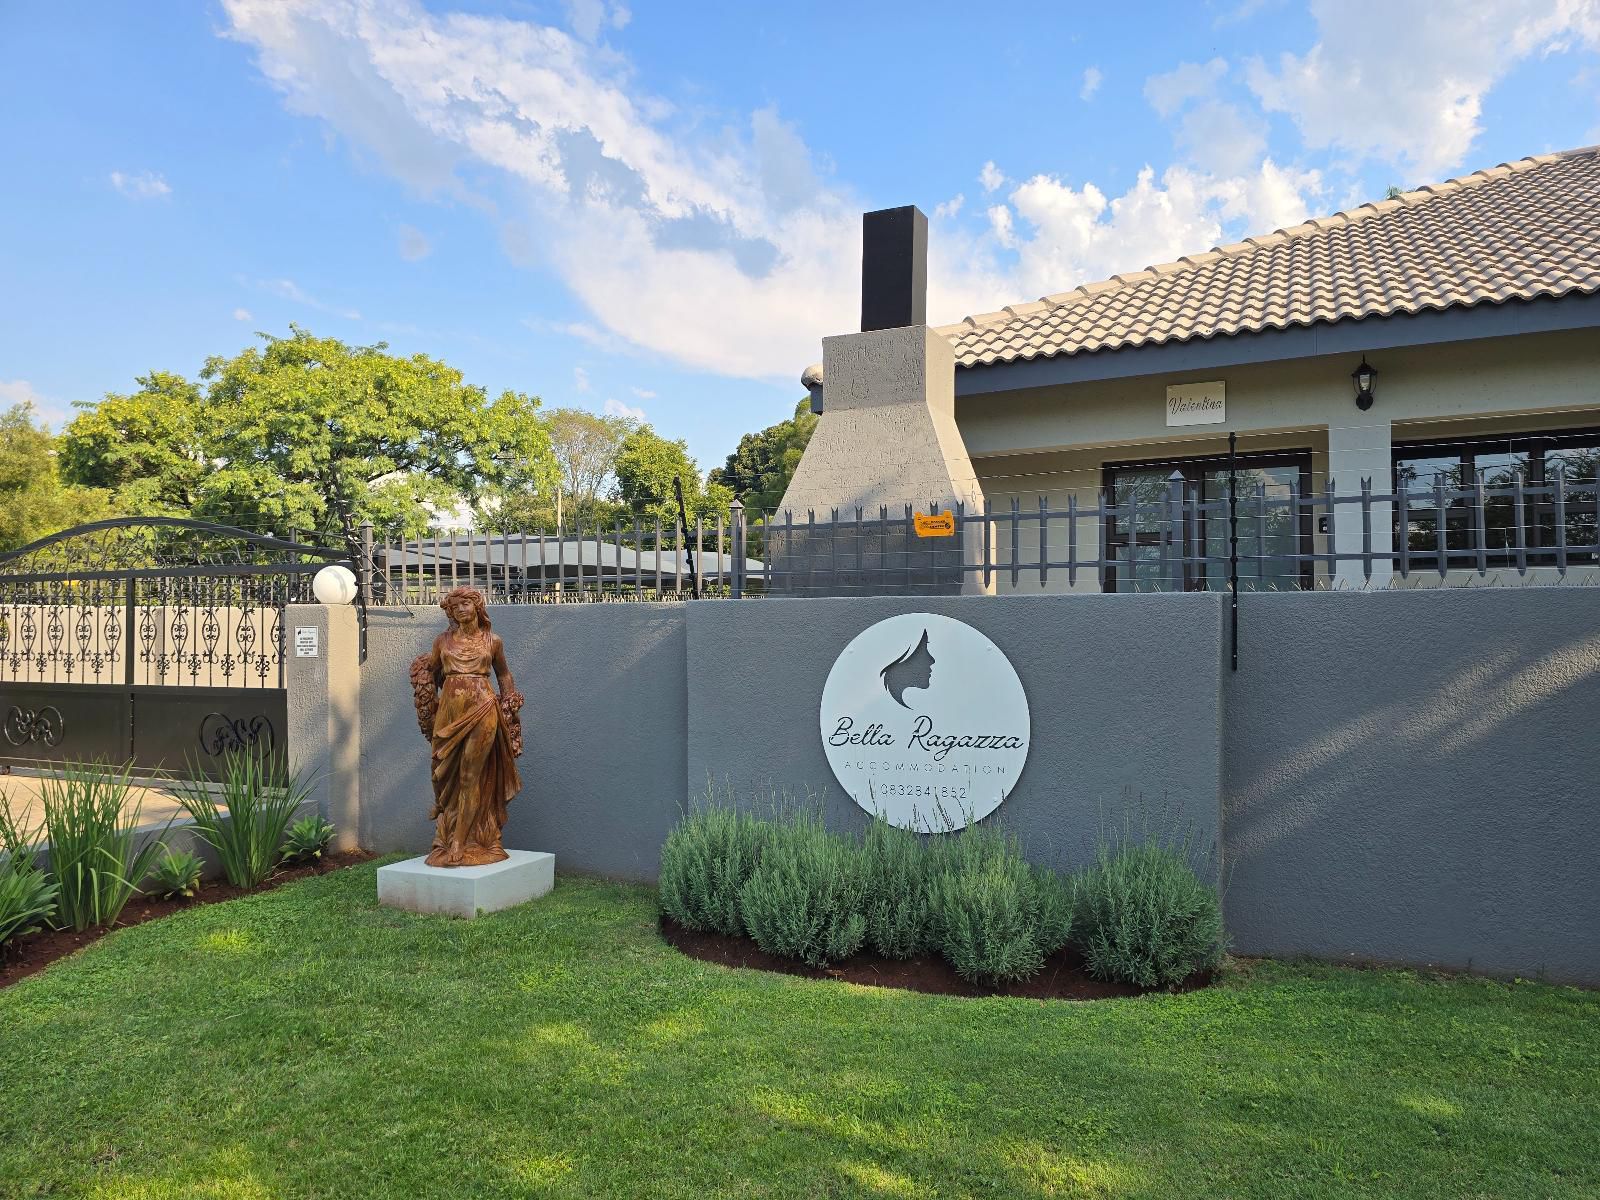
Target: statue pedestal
466 891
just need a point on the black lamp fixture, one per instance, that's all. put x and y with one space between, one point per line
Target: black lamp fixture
1362 377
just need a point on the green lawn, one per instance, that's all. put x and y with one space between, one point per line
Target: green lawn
303 1042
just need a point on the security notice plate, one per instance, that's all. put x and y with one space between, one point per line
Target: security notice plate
935 524
305 641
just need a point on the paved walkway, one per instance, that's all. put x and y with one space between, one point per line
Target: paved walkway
23 791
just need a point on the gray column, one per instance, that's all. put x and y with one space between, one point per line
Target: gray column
324 704
1361 450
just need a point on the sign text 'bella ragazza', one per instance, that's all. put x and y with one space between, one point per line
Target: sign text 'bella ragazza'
925 722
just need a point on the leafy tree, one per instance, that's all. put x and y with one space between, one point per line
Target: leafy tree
585 446
145 448
306 433
759 471
646 465
34 502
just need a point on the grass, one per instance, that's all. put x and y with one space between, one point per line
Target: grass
304 1042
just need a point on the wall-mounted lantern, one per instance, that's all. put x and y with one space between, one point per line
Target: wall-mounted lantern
1362 377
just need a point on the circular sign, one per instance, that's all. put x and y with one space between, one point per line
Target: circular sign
925 722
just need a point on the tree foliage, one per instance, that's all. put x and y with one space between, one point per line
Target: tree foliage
34 502
646 465
303 431
584 447
759 471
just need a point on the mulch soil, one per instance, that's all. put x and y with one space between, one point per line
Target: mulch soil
34 952
1063 977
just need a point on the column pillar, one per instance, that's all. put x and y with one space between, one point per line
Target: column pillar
324 704
1361 449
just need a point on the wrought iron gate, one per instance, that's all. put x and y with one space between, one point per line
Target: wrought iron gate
153 642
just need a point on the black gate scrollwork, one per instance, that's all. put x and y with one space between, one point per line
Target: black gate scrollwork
25 726
221 734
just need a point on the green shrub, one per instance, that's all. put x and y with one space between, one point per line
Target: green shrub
1144 915
176 873
94 852
259 796
307 840
896 904
706 861
27 892
995 919
804 899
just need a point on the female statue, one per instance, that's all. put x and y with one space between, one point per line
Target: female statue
476 737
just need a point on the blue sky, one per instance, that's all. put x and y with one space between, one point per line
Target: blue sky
656 207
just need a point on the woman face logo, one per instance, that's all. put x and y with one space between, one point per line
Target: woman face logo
913 669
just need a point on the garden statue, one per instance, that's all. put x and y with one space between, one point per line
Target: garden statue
476 736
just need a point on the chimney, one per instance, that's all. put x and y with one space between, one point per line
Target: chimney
894 268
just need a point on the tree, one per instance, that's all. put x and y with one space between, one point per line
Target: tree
145 448
34 502
308 433
759 471
646 465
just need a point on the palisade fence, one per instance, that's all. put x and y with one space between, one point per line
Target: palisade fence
1254 538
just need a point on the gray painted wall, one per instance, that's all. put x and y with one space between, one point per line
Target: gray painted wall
1415 776
757 670
1410 776
603 731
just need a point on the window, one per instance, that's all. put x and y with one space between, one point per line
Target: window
1271 526
1439 480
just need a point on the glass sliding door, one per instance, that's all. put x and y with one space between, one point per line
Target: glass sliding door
1273 527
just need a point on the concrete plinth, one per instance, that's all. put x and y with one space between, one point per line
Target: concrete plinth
466 891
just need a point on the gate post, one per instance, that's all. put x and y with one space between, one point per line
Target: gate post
324 705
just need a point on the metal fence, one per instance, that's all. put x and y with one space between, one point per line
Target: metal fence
1253 538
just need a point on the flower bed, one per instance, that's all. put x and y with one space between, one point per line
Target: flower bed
960 912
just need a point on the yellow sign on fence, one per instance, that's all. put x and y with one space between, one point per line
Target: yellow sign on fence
939 524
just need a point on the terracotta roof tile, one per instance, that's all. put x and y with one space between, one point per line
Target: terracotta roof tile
1518 231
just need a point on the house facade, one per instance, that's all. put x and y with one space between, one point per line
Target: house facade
1444 344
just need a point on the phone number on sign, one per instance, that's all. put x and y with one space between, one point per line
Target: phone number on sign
925 791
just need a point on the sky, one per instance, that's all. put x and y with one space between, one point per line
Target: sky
654 208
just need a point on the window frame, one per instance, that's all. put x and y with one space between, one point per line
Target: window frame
1194 469
1466 450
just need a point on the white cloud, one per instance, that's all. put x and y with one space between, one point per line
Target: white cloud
1404 83
53 413
616 408
724 249
946 209
580 379
414 244
242 314
1186 82
1063 236
141 185
288 289
589 18
712 247
643 393
1093 77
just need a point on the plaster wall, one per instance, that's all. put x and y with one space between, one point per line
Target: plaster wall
603 729
1412 776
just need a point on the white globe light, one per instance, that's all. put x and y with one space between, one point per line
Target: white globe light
334 584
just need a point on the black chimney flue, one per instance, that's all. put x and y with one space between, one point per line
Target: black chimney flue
894 268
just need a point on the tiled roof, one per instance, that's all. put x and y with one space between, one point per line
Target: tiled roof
1520 231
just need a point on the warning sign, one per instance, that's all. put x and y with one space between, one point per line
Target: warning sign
939 524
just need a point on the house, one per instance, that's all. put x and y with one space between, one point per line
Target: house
1471 304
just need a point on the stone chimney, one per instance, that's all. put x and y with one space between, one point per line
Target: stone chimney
888 432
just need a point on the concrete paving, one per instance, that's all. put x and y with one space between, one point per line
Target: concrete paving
155 802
